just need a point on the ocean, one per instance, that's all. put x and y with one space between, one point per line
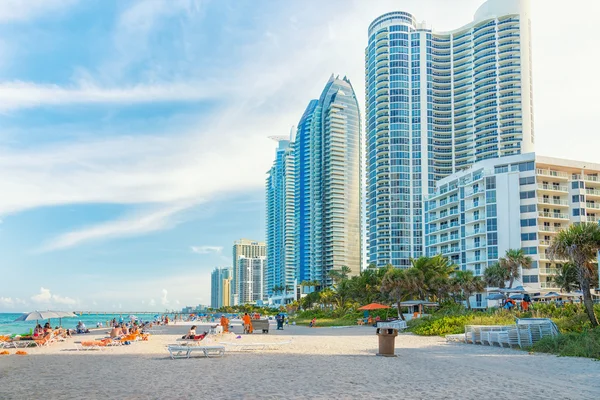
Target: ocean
9 327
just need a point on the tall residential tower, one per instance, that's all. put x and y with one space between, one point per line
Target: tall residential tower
281 268
328 184
437 102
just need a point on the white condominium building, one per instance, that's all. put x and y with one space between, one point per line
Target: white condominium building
251 279
516 202
437 102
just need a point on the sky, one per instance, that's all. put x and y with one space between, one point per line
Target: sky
134 134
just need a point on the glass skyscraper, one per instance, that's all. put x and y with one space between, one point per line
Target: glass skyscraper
280 270
328 184
436 103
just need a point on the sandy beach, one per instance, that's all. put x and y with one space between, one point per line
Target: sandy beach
319 363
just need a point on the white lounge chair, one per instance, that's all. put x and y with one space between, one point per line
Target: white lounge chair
178 351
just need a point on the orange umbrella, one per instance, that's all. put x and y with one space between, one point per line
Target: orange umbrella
373 306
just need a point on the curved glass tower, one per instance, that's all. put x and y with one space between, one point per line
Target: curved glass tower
436 103
328 184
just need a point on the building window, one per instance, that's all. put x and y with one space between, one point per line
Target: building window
530 279
490 182
530 194
529 236
530 250
529 180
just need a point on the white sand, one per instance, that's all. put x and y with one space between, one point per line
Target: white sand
320 363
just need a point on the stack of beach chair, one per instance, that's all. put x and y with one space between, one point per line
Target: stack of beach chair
524 333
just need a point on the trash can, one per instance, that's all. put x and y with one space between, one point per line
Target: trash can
387 341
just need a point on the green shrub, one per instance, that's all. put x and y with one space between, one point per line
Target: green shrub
574 344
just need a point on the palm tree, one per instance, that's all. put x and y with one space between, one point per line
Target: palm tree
345 271
566 277
580 244
394 283
468 284
513 261
496 276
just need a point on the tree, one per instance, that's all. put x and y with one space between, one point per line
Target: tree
496 276
395 284
513 261
469 284
580 244
566 277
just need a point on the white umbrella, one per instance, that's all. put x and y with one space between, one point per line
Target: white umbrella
37 315
64 314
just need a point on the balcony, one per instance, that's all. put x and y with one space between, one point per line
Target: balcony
592 219
548 271
545 243
556 202
592 192
592 205
474 246
543 228
552 215
476 259
548 285
555 188
475 232
554 174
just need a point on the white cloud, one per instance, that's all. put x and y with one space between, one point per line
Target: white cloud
9 302
46 297
164 301
136 224
207 249
18 10
19 95
43 296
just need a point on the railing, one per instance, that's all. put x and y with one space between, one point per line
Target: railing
548 271
553 215
554 201
548 172
543 228
557 188
592 192
592 205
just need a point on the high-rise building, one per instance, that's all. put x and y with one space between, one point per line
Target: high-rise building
220 293
516 202
246 248
327 158
437 102
251 279
281 268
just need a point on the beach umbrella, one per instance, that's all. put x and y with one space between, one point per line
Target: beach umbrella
37 315
132 317
517 296
495 296
373 306
64 314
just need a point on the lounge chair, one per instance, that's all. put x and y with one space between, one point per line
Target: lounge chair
177 351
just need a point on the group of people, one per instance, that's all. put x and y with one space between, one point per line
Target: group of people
47 332
510 303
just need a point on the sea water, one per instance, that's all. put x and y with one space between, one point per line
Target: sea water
9 327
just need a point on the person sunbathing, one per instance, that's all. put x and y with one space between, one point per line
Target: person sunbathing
116 332
124 329
191 333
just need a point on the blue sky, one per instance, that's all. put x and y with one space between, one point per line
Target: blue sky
134 134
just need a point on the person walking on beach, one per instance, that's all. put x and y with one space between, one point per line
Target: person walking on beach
225 323
247 323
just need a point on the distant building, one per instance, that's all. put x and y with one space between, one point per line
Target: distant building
251 275
246 248
281 268
220 291
514 202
